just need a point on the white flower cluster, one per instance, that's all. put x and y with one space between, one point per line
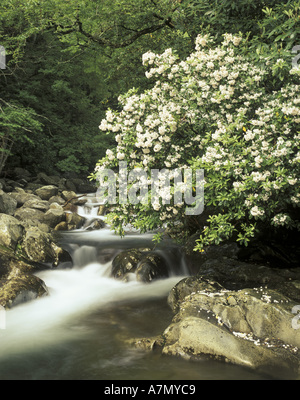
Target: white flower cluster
212 111
255 211
280 219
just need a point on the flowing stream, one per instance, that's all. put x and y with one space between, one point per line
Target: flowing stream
80 330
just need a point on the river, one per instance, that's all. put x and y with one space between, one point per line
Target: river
79 331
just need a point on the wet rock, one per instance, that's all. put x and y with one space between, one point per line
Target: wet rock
194 337
191 285
8 204
22 197
102 209
151 266
261 311
125 262
46 192
57 199
11 231
74 220
68 195
147 344
29 216
22 173
250 327
17 283
236 311
236 274
54 216
19 288
62 226
37 204
145 264
39 246
71 198
95 225
62 256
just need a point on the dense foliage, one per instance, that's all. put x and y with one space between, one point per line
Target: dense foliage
68 61
229 107
213 111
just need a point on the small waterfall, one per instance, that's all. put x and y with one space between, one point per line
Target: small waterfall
84 255
77 331
90 211
91 208
77 291
73 294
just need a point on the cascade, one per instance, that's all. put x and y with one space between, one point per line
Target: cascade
78 331
77 292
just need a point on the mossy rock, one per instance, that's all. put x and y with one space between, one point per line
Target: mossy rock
20 286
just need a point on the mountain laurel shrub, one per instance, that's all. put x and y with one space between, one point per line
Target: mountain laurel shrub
216 110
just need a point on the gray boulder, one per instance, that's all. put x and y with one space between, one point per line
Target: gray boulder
125 262
11 231
194 338
46 192
95 224
8 204
239 312
260 311
57 199
19 288
22 197
30 216
37 204
249 327
190 285
74 220
145 264
39 246
151 266
48 180
54 216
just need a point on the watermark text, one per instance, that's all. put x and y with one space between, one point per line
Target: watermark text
132 187
295 60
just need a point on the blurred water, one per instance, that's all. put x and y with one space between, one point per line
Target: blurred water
80 330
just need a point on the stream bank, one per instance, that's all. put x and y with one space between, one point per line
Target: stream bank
33 210
226 307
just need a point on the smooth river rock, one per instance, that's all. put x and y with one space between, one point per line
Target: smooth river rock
235 311
11 231
143 263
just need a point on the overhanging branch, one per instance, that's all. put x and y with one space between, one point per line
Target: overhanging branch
137 34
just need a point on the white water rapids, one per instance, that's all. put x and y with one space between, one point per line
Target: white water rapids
75 292
77 331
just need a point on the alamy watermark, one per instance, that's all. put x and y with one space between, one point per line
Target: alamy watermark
133 187
296 49
2 58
